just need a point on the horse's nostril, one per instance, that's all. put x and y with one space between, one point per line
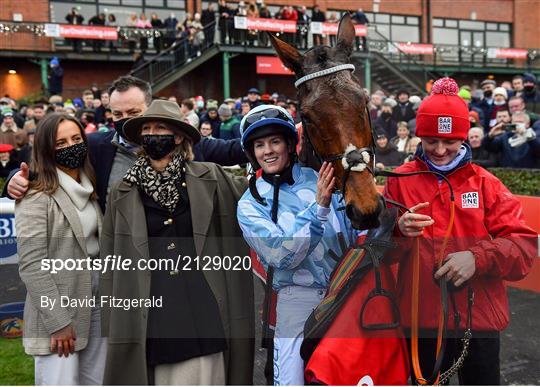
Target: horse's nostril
363 222
349 211
352 212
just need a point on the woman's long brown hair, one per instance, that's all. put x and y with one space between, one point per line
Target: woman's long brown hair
43 165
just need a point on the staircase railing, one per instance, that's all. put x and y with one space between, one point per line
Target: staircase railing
182 51
395 55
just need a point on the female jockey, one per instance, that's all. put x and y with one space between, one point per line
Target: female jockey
488 243
290 218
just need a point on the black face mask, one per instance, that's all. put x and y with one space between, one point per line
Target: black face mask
528 88
158 146
119 127
385 115
488 93
72 157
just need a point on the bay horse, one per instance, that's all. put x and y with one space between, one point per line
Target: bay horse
336 121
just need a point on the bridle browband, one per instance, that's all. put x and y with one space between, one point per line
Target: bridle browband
353 159
323 73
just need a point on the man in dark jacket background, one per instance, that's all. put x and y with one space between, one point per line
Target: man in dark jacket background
208 17
359 17
317 16
98 20
486 104
74 17
385 121
386 153
55 77
403 111
531 95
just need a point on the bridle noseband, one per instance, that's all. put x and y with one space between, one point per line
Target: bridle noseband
353 159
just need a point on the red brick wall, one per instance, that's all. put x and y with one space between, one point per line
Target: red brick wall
527 25
492 10
32 11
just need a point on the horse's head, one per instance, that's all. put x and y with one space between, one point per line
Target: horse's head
334 113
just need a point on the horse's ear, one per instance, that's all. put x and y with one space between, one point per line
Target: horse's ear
345 37
288 54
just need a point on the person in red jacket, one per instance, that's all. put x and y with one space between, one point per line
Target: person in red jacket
489 242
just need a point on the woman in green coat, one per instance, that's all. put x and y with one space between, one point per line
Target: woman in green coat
194 318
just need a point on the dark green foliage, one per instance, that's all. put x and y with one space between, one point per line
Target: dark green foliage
518 181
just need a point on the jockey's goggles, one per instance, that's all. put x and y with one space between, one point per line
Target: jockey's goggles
268 113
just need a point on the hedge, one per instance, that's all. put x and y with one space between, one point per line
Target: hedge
518 181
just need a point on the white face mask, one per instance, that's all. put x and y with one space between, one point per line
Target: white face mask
499 103
520 125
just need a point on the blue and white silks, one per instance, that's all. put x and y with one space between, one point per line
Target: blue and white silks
297 245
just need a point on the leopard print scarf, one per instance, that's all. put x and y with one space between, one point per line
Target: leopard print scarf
162 187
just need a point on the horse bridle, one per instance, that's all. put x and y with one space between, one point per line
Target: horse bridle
353 159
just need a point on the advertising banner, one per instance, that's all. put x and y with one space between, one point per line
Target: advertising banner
260 24
507 53
271 65
332 29
413 48
8 237
80 32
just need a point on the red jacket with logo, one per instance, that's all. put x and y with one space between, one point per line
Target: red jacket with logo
488 222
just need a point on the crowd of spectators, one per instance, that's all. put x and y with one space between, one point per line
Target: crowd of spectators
162 33
505 121
505 125
198 28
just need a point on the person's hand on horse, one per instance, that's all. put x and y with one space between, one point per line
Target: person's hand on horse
411 224
63 341
458 267
18 185
325 185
